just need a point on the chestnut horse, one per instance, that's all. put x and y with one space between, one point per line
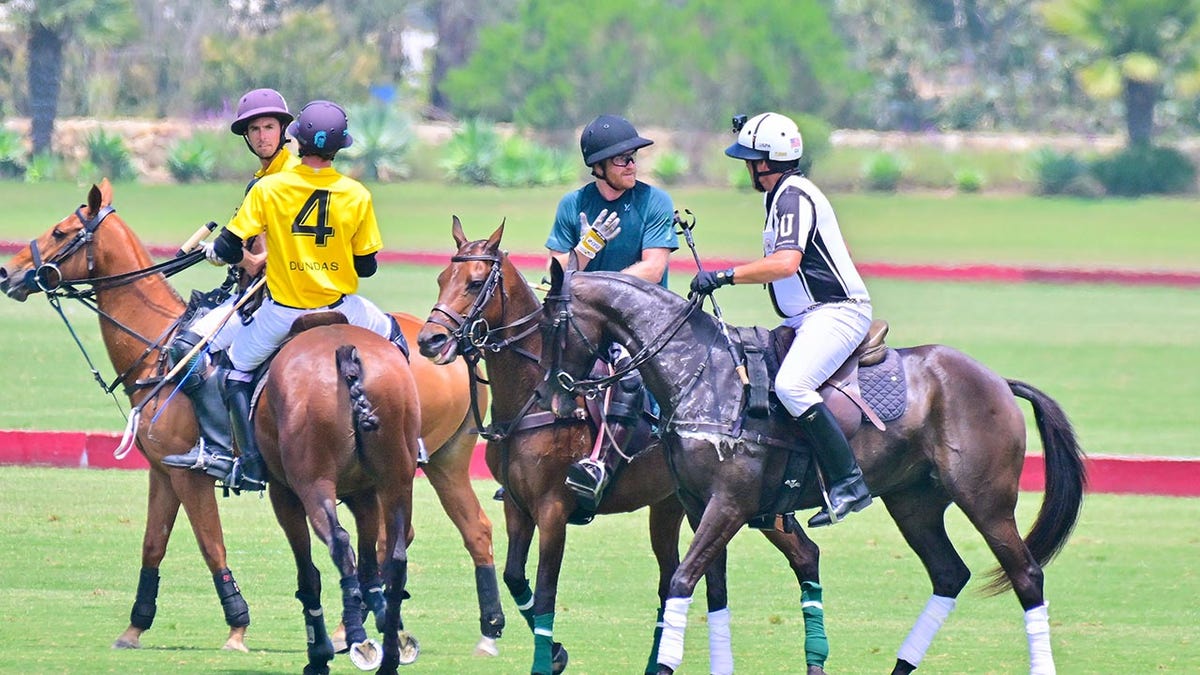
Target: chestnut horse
960 439
93 248
486 309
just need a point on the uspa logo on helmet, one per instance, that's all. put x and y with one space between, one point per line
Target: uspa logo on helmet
321 128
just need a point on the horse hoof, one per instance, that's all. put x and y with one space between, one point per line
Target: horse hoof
339 639
487 647
366 655
232 645
316 670
558 658
123 643
410 649
815 670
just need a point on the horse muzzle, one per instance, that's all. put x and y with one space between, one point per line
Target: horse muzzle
438 347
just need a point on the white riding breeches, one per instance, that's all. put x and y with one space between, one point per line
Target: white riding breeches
261 337
825 335
209 322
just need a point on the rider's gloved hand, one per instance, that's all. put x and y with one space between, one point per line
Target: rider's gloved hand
210 254
707 281
594 236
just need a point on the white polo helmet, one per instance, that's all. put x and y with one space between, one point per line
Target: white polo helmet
768 136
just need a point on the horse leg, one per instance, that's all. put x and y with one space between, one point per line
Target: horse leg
365 509
804 556
289 512
720 639
449 475
399 647
721 520
161 510
549 657
665 519
919 512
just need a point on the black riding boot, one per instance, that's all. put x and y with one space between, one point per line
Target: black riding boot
213 452
589 477
249 471
848 491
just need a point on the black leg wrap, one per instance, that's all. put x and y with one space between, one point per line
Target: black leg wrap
376 604
352 610
145 605
491 615
237 613
320 649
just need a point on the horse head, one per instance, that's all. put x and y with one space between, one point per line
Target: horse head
471 298
571 343
71 250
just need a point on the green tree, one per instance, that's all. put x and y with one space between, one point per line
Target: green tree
50 26
1137 48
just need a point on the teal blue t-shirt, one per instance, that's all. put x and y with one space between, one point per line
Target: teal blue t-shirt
647 221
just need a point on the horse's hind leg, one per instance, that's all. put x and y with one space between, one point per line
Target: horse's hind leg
449 474
804 556
365 508
292 520
920 514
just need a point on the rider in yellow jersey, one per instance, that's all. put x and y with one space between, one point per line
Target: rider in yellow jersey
322 234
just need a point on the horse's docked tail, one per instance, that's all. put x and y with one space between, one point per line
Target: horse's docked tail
350 369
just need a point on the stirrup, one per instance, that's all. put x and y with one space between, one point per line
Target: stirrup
215 464
239 482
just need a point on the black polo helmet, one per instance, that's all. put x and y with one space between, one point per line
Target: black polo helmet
608 136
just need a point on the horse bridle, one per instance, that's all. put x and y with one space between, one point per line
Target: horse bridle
471 331
46 276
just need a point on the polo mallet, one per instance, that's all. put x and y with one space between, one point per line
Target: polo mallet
685 228
194 240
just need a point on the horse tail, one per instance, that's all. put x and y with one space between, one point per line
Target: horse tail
1066 479
362 412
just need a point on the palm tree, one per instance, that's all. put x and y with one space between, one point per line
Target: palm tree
52 24
1137 48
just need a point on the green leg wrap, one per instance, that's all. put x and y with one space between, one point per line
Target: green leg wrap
543 644
524 600
652 663
816 643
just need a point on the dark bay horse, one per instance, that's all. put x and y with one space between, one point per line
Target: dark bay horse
486 309
960 440
93 248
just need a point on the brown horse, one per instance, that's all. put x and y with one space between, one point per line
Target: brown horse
360 446
94 249
960 439
485 309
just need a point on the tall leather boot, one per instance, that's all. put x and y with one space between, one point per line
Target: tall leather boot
848 491
589 477
249 471
213 452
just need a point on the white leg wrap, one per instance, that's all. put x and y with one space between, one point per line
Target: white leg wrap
1037 628
670 648
927 625
720 651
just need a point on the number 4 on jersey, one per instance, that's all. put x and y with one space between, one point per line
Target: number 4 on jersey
319 202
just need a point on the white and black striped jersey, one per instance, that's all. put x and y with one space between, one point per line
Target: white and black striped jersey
799 217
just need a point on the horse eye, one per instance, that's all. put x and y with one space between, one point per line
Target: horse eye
475 286
58 234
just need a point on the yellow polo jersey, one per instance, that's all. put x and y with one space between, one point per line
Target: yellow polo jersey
316 221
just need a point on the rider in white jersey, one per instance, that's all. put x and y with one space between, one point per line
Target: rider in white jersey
814 287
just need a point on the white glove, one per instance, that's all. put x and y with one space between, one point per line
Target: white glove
593 237
210 253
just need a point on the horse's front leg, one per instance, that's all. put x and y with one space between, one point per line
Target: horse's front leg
549 657
666 517
721 519
399 647
161 510
804 556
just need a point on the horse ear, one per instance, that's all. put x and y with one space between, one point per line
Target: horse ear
493 242
556 277
93 202
572 261
456 230
105 192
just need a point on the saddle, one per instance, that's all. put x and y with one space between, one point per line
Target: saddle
763 351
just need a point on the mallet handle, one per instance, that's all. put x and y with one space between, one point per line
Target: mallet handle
194 240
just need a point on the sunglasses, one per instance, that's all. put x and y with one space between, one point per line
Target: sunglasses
625 160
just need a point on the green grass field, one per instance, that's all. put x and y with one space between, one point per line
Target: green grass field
1122 594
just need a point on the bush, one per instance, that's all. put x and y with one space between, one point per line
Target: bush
12 154
471 151
44 167
191 160
110 156
1054 170
1141 170
477 154
383 137
883 171
670 167
969 180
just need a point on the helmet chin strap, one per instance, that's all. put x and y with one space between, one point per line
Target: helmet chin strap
758 175
603 175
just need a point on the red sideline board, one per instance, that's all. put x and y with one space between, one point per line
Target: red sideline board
1171 476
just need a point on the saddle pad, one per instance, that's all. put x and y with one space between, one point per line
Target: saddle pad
883 386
